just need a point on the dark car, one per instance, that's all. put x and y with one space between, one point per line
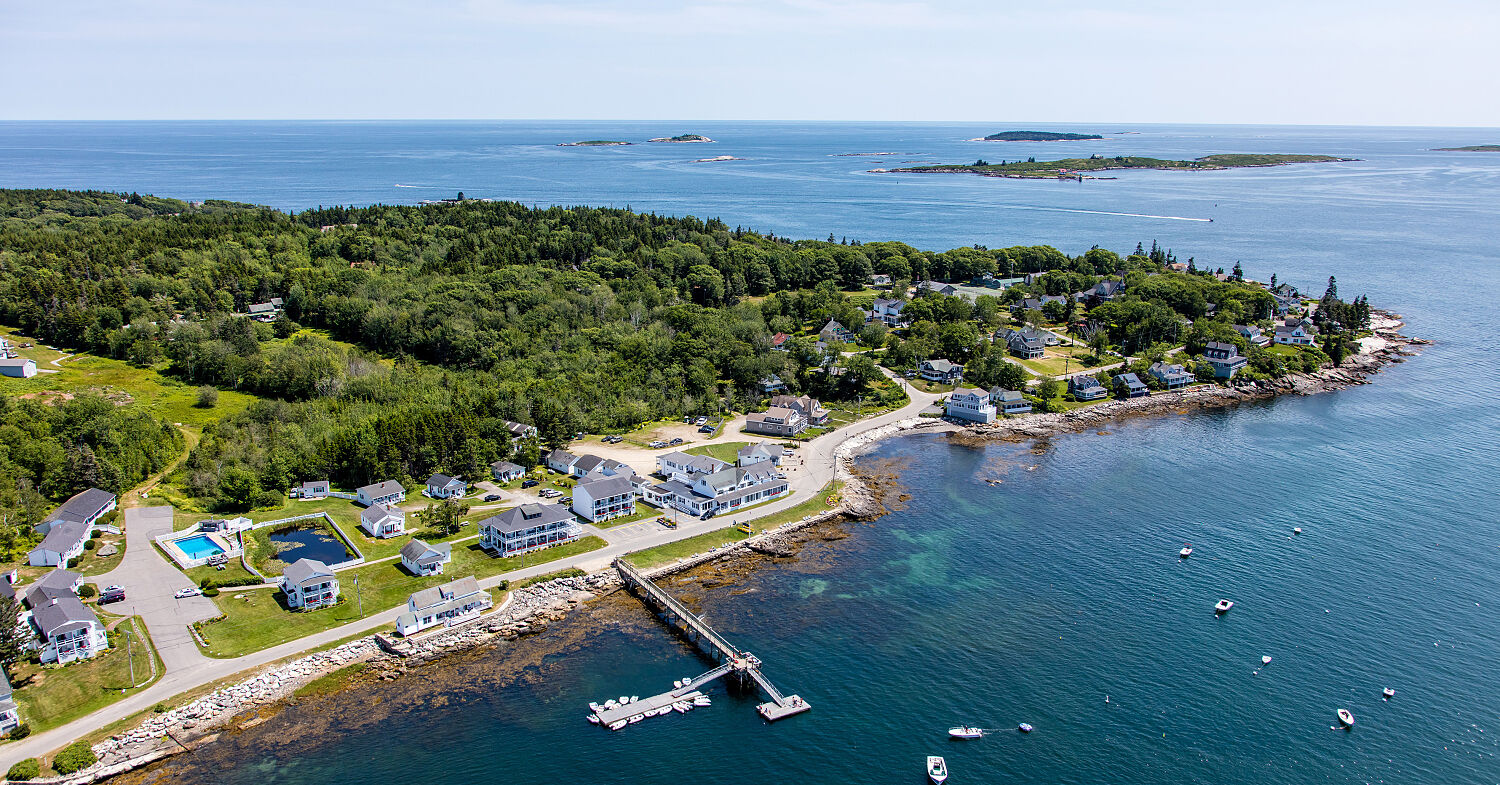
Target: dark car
706 515
112 596
494 497
674 442
706 429
565 500
531 483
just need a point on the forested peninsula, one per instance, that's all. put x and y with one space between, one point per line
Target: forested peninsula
396 341
1077 167
1473 148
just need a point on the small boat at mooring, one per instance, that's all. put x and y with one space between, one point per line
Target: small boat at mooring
702 700
1265 660
1187 550
680 707
1024 727
595 707
617 724
637 718
1345 718
624 699
966 732
1223 606
1387 693
1296 530
937 769
677 684
594 718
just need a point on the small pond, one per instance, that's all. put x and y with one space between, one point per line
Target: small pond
309 542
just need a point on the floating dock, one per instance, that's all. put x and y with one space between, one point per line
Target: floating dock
741 665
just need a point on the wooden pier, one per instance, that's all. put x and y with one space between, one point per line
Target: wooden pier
741 665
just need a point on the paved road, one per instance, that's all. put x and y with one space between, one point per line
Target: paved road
150 581
144 567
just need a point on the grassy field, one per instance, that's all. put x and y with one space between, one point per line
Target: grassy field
255 619
159 394
643 511
54 696
727 452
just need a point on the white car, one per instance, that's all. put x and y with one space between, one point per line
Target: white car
191 591
701 421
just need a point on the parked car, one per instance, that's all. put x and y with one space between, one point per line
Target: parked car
578 436
701 421
112 596
191 591
706 515
706 429
112 588
565 500
494 497
658 444
675 441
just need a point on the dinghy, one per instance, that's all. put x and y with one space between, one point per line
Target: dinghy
594 718
1223 606
1024 727
1345 718
966 732
616 725
1265 660
1388 693
937 769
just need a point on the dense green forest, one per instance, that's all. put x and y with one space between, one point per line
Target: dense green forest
411 333
1032 168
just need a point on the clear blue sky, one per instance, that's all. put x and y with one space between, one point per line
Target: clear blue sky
1271 61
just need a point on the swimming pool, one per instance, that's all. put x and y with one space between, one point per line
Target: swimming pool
199 547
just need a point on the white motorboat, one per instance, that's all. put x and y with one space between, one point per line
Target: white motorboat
680 707
595 707
637 718
617 724
1024 727
1296 530
702 700
594 718
1187 550
937 769
624 699
1346 718
966 732
1388 693
611 703
1265 660
1223 606
677 684
634 698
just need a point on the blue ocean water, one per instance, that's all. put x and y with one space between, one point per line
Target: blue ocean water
1033 599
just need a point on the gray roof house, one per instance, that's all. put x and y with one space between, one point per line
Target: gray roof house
560 461
941 371
386 492
441 486
69 630
1171 376
1134 387
1086 388
1009 401
64 541
449 604
85 507
602 498
505 471
383 520
309 584
528 527
1027 343
53 585
10 714
421 558
1225 359
833 331
758 453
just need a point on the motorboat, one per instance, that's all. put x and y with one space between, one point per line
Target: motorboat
624 699
677 684
1388 693
637 718
1296 530
594 718
702 700
1024 727
937 769
610 704
617 724
594 707
1223 606
1187 550
966 732
680 707
1265 660
1346 718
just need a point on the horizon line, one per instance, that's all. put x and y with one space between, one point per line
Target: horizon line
745 121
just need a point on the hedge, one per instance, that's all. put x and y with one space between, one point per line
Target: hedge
74 758
24 770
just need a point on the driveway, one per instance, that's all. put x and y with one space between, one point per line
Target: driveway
150 581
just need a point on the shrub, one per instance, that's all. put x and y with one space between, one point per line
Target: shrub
73 562
90 544
227 583
74 757
160 708
25 769
210 592
208 397
22 731
87 590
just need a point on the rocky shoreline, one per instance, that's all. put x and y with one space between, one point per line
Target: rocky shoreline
528 610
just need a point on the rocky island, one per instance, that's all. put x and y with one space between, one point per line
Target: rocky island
1035 136
595 143
1074 168
1473 148
683 139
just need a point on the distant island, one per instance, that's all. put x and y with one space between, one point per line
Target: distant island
595 143
1473 148
1035 136
1074 168
716 158
684 139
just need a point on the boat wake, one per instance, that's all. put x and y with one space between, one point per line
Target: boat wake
1106 212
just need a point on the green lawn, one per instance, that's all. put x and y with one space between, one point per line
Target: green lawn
642 512
672 551
159 394
727 452
54 696
255 619
91 563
